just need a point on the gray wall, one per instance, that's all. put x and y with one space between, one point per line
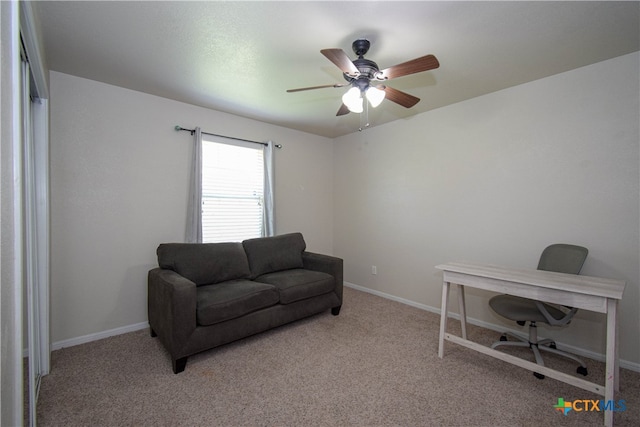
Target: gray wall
493 179
496 179
119 181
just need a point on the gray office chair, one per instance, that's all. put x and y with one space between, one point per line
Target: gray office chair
561 258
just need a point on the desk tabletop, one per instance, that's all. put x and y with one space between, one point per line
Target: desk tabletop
588 285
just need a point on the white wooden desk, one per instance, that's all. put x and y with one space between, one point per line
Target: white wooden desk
584 292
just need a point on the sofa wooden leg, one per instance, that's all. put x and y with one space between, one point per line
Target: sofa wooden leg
153 333
179 365
336 310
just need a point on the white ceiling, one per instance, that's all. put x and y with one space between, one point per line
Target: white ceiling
240 57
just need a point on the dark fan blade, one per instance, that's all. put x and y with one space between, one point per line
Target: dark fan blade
417 65
316 87
399 97
343 110
338 57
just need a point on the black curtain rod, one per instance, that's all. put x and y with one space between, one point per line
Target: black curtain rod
228 137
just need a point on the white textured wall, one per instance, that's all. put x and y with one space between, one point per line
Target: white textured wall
496 179
119 180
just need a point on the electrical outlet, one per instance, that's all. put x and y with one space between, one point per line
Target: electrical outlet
374 269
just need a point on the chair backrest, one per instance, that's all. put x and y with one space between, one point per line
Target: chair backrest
563 258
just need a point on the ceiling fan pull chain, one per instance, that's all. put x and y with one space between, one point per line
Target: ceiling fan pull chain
364 116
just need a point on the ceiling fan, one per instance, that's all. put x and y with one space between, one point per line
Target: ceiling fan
361 72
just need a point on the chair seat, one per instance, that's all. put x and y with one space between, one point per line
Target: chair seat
521 309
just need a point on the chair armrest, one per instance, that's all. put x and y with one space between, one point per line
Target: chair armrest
552 320
171 307
326 264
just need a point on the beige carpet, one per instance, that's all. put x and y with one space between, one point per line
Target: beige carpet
375 364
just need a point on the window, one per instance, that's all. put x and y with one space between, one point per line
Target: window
232 190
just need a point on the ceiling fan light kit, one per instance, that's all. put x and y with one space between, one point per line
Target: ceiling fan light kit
353 100
360 72
375 96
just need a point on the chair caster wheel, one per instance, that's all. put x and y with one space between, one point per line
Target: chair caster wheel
582 370
552 345
503 337
538 376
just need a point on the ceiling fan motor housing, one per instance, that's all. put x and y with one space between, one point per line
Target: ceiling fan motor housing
368 69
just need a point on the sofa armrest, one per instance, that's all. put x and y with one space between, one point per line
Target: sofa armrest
171 308
326 264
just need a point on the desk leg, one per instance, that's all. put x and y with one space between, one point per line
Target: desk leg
444 311
612 369
462 308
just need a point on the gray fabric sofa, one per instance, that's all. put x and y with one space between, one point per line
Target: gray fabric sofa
204 295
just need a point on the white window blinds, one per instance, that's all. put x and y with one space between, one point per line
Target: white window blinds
232 191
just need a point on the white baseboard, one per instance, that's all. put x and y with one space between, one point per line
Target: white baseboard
632 366
98 336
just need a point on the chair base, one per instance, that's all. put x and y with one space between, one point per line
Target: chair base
547 345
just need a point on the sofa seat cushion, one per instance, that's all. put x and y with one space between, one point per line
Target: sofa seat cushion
232 299
298 284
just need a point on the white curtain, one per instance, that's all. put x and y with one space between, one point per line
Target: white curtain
194 209
268 219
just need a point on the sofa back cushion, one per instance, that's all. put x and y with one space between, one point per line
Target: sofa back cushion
205 263
269 254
